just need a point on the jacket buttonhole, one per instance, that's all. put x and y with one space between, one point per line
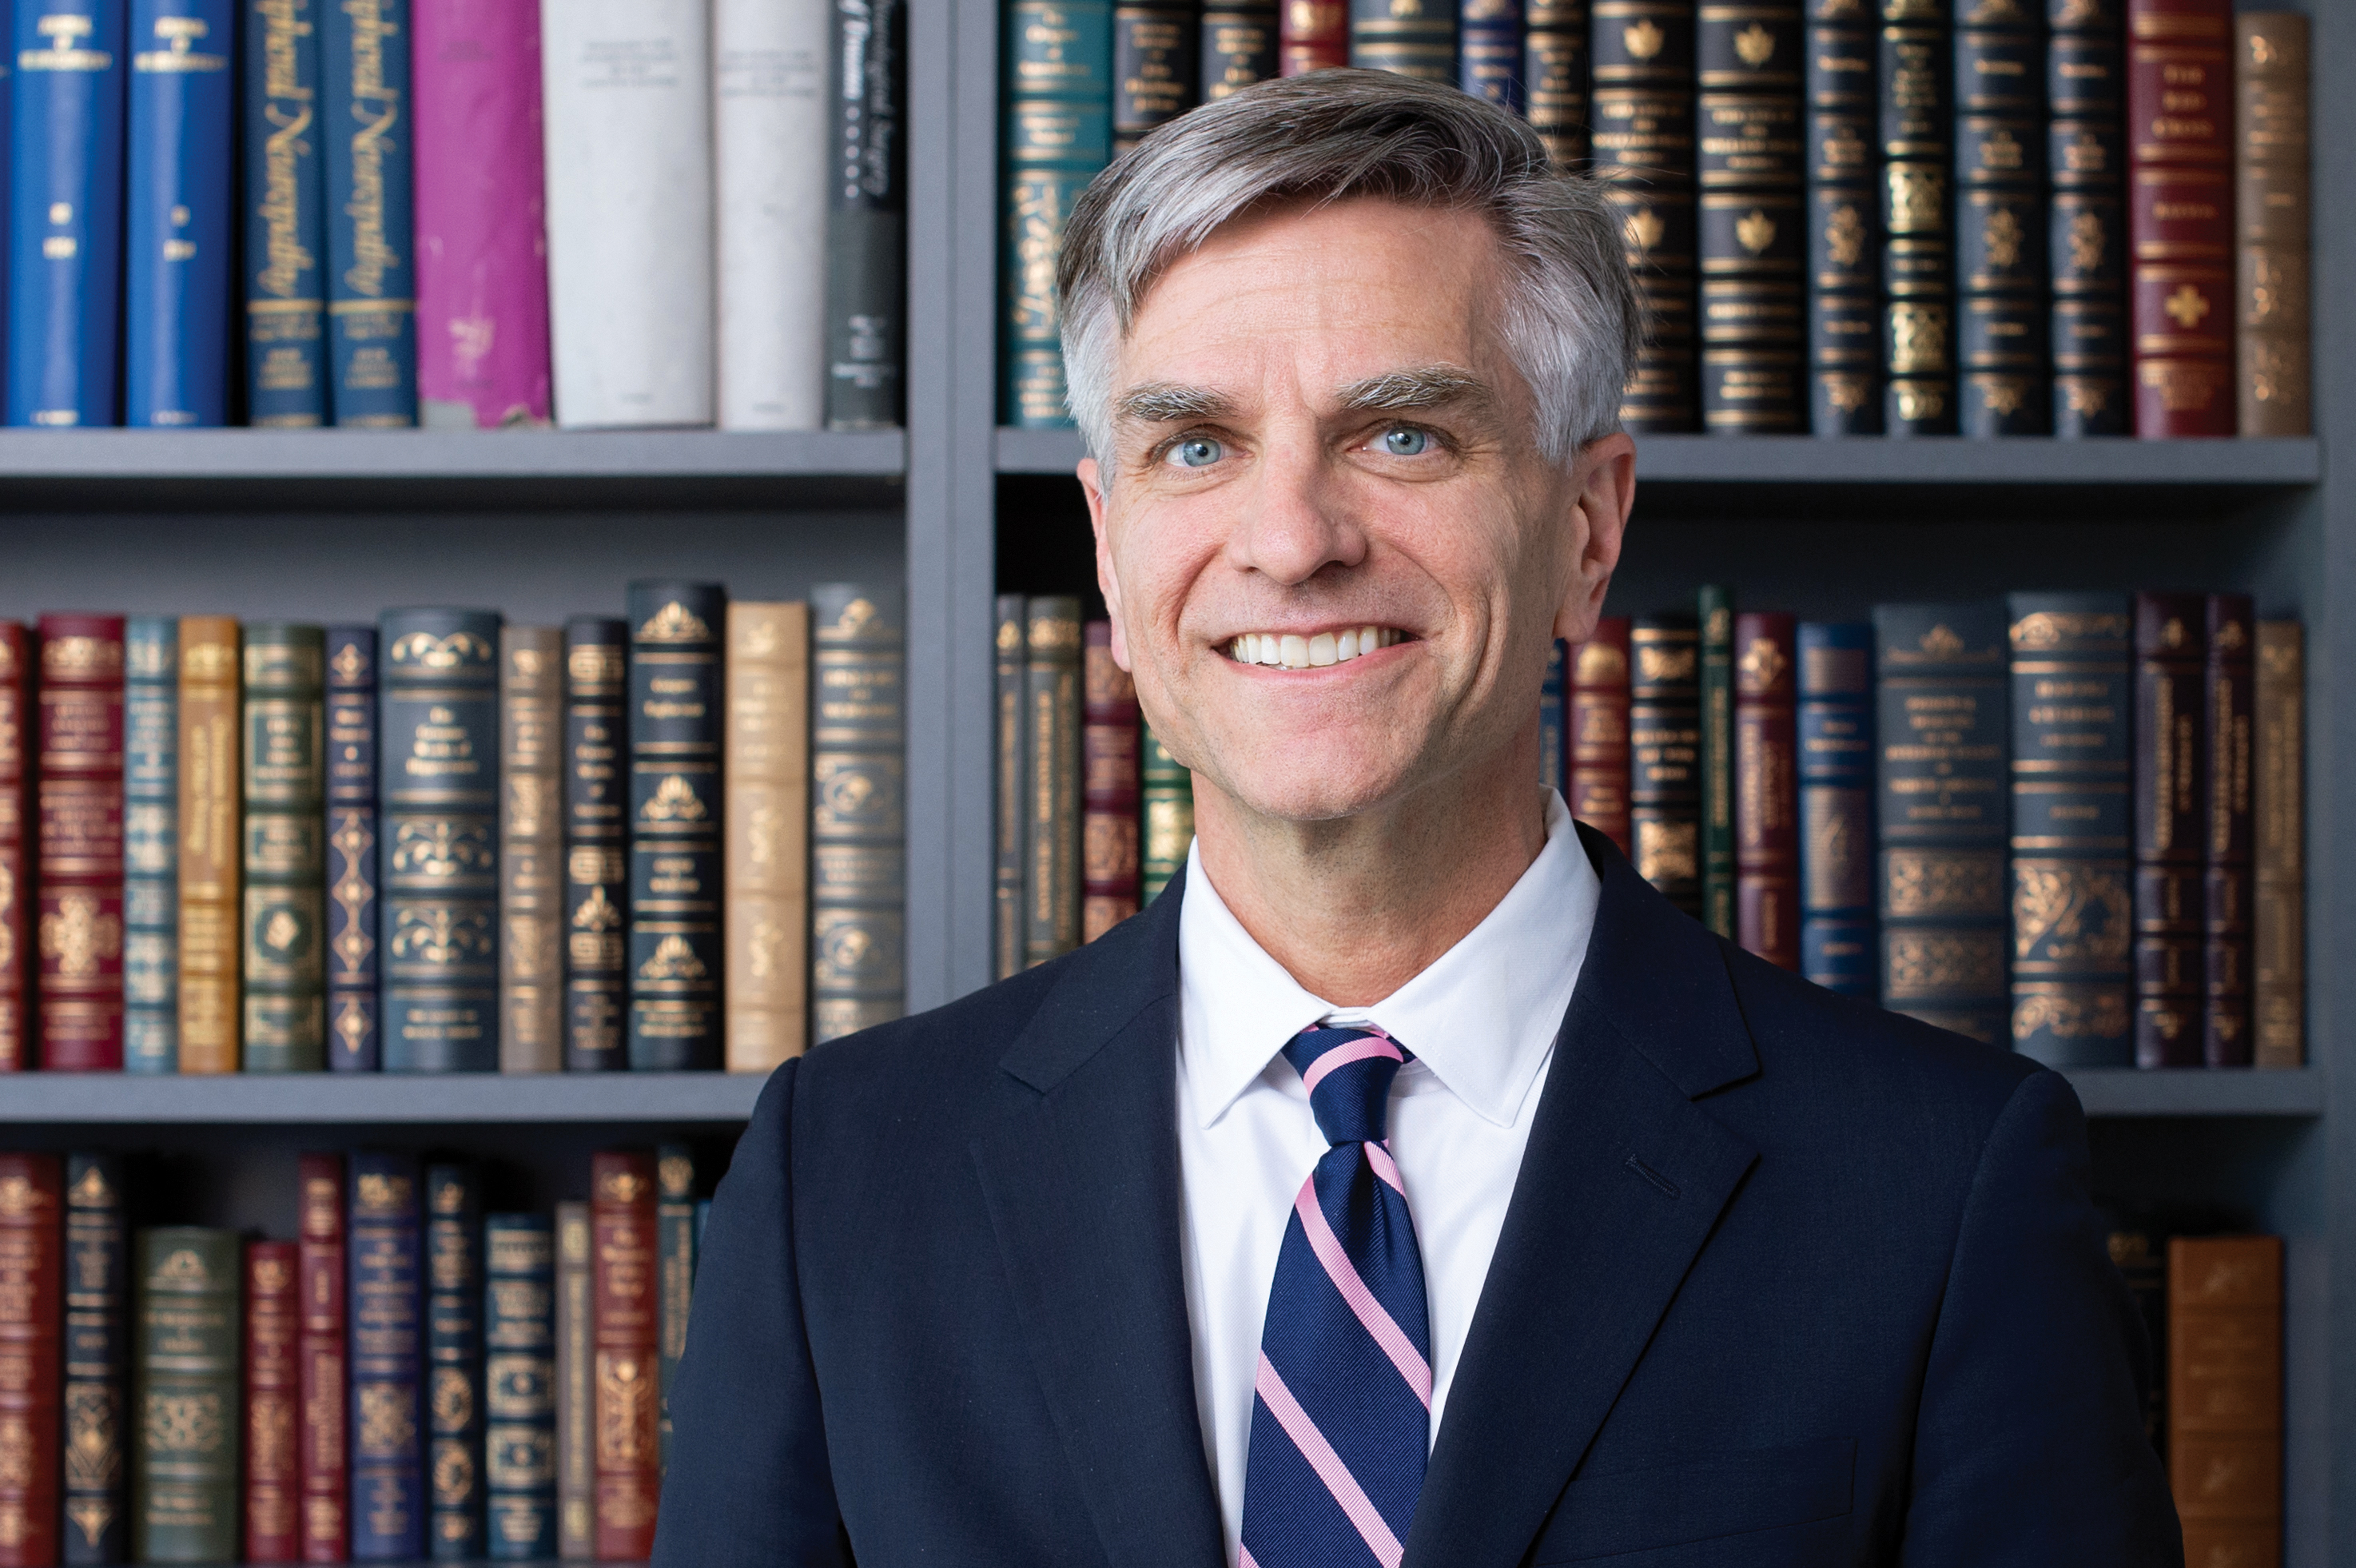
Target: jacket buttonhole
1667 1187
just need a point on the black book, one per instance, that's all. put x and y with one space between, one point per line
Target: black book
1554 77
676 704
353 952
1750 145
1664 755
2000 270
2086 162
1915 86
1155 73
454 1353
97 1362
866 218
1237 46
1843 222
1642 143
596 843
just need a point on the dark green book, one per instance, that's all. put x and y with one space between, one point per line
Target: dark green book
1717 759
285 848
453 1354
865 310
675 1264
96 1360
858 808
1006 912
676 704
520 1384
184 1484
1169 807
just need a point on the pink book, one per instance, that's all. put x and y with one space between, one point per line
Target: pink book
482 238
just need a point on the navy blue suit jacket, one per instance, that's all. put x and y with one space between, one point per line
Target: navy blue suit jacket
1784 1280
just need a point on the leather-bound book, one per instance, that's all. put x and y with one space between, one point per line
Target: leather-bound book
97 1361
1749 161
177 216
857 812
284 198
575 1394
1058 61
866 220
16 884
1155 71
151 846
272 1395
1489 51
1766 789
286 849
764 852
212 855
676 804
1642 143
531 849
1237 46
1312 33
184 1497
2087 166
1008 802
597 846
323 1449
1554 77
1664 755
1554 698
2279 849
1915 85
32 1282
371 282
1051 779
2225 1396
1169 813
1597 787
1941 724
675 1244
2229 685
387 1352
1837 760
1420 42
80 870
453 1354
626 1313
2139 1247
1108 788
1844 274
2001 221
519 1385
2073 823
2180 213
2170 777
2270 128
353 954
1717 613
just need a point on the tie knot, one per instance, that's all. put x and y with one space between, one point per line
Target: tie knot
1348 1074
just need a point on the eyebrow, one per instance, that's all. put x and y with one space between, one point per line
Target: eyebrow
1167 403
1418 386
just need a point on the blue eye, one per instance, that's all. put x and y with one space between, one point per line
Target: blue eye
1404 441
1197 452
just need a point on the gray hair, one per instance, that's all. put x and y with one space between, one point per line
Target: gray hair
1571 322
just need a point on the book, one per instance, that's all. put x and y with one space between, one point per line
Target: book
481 233
2086 163
387 1308
1766 788
1915 91
627 106
770 173
1597 771
353 956
626 1314
1942 726
1641 68
2226 1395
2072 827
2230 686
1489 51
1110 891
365 144
286 849
65 195
1664 755
32 1287
1051 775
1554 77
1754 234
1238 46
1843 126
2180 215
1716 615
519 1385
175 289
858 808
151 843
1838 945
2002 311
322 1450
272 1396
676 806
596 845
866 220
1009 803
1420 42
1155 69
576 1400
2272 378
2279 849
438 791
675 1286
531 849
454 1350
285 196
765 851
80 871
1554 749
1312 35
16 862
96 1392
2138 1249
212 854
2170 780
1058 133
184 1492
1168 806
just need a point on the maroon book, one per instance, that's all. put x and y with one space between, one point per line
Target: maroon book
321 1460
626 1347
1597 792
2230 715
273 1384
1312 35
16 886
32 1323
2170 789
1110 745
80 933
2181 215
1766 789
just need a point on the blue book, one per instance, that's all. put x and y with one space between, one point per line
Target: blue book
352 956
519 1385
151 845
1489 51
453 1349
1553 764
371 270
176 243
285 218
387 1334
65 245
1836 691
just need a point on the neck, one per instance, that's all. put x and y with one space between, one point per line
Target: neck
1356 908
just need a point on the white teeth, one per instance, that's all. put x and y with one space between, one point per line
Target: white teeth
1268 652
1320 650
1292 651
1370 639
1345 647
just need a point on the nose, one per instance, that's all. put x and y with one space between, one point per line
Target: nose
1296 520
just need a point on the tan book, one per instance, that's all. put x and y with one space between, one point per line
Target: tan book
531 849
2225 1397
765 855
2270 124
2278 848
212 855
577 1401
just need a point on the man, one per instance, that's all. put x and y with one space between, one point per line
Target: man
1410 1184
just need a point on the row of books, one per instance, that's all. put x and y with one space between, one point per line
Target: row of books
410 1377
1854 217
447 844
610 212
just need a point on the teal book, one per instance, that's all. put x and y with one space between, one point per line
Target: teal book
1169 806
858 811
675 727
453 1355
519 1385
1058 132
285 834
184 1479
151 845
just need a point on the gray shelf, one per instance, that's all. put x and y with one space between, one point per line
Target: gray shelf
2195 1091
390 1099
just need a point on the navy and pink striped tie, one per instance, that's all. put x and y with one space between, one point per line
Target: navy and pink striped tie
1343 1420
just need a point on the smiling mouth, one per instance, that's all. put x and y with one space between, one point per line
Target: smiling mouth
1290 651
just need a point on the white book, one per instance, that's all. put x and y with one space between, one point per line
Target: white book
769 150
629 210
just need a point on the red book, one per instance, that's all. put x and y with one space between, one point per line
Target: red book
80 876
1598 794
1312 33
14 885
273 1321
1109 754
1766 789
2181 215
32 1321
627 1344
321 1463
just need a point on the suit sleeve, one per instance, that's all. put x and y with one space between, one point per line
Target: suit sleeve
2030 1447
749 1482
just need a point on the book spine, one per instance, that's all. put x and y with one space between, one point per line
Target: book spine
387 1352
2181 215
453 1349
1838 950
285 217
176 225
2271 224
2226 1395
2171 756
1238 47
769 173
2086 163
1597 769
519 1385
626 1310
1156 73
1717 614
1489 51
183 1495
438 788
65 185
858 816
212 854
481 239
32 1288
674 1276
1051 878
1006 909
2073 825
1943 723
1766 789
677 700
15 882
2002 310
1664 755
372 272
1553 750
575 1395
353 958
286 849
81 866
2139 1252
1312 35
151 851
272 1390
1844 220
1754 234
1642 55
764 871
97 1393
867 215
1168 792
531 849
2230 686
322 1457
1059 96
1554 77
628 171
1418 43
1109 785
596 845
1915 90
2279 849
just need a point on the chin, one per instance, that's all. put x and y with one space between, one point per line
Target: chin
1311 784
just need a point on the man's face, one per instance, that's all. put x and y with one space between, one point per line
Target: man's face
1317 432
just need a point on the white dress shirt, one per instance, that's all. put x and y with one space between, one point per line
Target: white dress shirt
1481 1023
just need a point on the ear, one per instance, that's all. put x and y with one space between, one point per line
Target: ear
1106 580
1605 481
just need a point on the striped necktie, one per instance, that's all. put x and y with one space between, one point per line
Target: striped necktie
1342 1418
